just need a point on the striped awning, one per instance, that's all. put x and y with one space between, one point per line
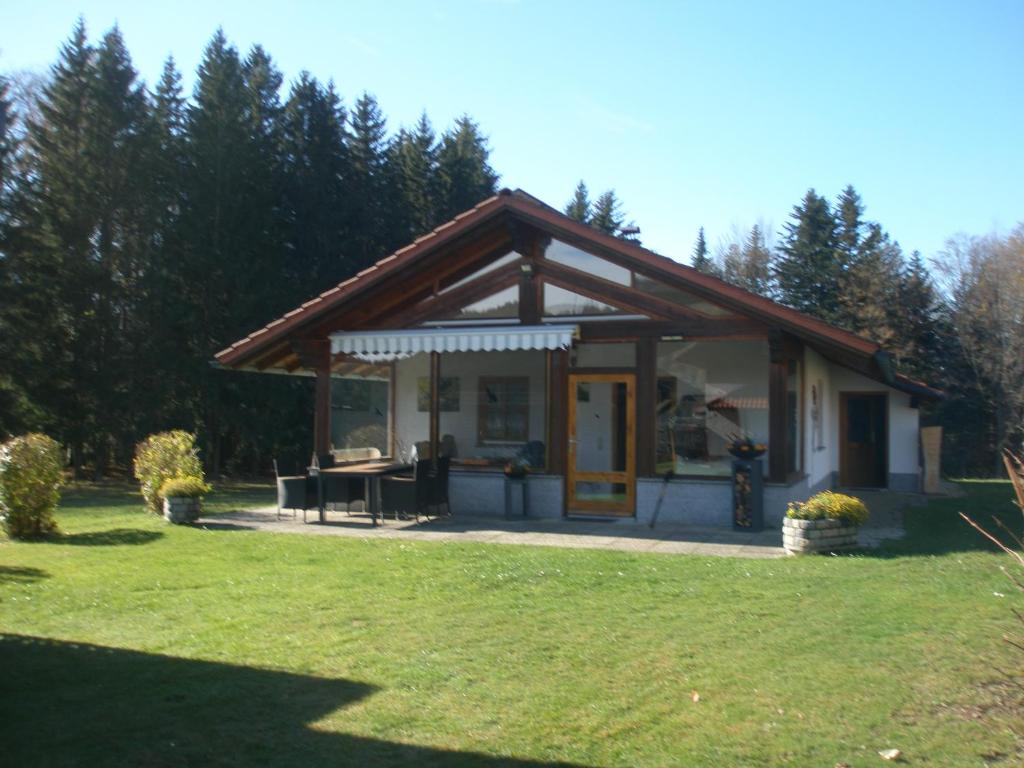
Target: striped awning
394 345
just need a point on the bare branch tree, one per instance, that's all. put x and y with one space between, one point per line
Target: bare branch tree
984 277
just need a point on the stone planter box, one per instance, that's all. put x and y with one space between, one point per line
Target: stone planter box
810 536
182 509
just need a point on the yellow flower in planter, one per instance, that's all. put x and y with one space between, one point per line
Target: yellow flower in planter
829 505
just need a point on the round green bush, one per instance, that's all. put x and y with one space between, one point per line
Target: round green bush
189 487
162 457
31 474
829 505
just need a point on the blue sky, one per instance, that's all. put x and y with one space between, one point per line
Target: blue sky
718 114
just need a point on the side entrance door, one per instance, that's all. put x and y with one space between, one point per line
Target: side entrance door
863 440
601 477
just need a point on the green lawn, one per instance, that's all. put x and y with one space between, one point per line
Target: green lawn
132 642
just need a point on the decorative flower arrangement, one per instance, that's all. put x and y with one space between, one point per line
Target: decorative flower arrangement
745 448
829 505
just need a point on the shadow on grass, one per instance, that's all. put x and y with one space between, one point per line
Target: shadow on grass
74 704
937 528
115 537
17 574
108 493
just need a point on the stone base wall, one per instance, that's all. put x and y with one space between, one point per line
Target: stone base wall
181 509
483 493
810 536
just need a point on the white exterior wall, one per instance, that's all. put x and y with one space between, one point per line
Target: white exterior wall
821 452
903 426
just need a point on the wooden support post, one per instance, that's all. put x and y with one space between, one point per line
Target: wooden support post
558 394
315 354
435 405
782 349
646 396
322 421
778 435
529 312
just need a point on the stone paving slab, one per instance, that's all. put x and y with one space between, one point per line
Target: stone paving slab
619 536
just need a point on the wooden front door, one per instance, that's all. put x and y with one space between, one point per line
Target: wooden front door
863 440
601 475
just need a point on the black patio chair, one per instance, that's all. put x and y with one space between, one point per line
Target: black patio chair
405 495
295 492
439 485
337 489
533 454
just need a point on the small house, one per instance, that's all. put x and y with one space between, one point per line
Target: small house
513 334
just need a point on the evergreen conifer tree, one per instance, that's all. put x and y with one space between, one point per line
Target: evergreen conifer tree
163 316
806 268
918 324
367 185
118 133
849 213
701 260
65 215
606 213
413 161
869 289
465 176
15 403
315 156
218 257
578 208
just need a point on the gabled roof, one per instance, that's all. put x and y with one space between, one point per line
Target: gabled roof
524 207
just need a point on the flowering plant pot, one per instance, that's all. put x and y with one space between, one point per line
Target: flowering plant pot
515 471
746 448
811 536
747 453
182 509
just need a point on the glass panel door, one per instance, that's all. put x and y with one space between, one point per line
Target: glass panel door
602 461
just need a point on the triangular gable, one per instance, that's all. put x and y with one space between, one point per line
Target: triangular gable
492 228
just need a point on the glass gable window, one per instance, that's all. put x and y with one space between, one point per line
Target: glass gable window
573 257
503 304
508 258
665 292
709 393
558 302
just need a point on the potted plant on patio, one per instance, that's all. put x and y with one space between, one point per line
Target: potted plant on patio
744 447
183 499
826 522
516 472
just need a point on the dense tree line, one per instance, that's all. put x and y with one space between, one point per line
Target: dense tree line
142 230
959 327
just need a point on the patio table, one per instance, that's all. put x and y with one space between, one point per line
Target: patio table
371 473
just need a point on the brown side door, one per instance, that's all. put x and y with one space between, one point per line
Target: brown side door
863 440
